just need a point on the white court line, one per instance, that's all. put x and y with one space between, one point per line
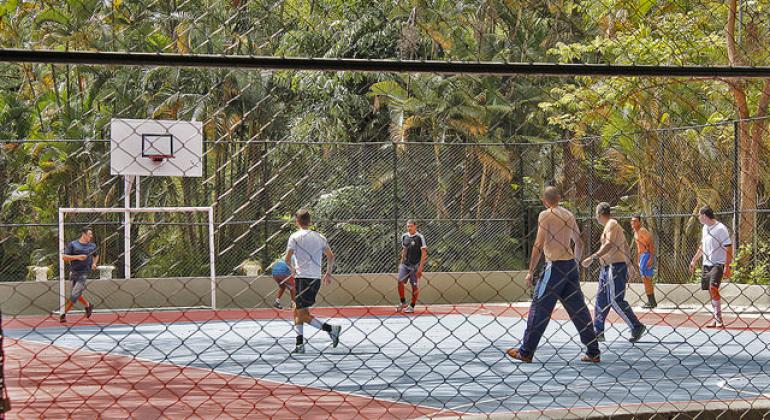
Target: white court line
725 384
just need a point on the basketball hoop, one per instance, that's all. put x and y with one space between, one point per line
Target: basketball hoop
158 158
156 147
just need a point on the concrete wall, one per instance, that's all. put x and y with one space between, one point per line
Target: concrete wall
349 289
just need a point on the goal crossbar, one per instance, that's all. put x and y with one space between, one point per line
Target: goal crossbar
127 211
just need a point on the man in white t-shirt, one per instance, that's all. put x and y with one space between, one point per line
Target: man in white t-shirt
308 248
716 248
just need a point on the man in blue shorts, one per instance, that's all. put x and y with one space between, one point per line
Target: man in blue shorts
645 247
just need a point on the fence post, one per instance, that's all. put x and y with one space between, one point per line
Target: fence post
265 205
394 161
736 187
591 175
552 181
524 206
658 210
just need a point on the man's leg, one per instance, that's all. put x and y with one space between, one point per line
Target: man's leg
309 293
279 295
618 277
715 280
300 315
76 294
546 295
403 275
602 307
415 291
575 304
649 290
292 290
647 273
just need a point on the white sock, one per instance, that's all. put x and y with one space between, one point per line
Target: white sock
316 323
299 329
717 305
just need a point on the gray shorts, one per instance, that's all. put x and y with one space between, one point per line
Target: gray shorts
78 285
711 276
408 272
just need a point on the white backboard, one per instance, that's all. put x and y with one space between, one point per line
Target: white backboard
134 142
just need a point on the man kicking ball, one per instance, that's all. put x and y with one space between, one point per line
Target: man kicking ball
309 247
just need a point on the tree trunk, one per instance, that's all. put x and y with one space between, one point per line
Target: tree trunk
749 141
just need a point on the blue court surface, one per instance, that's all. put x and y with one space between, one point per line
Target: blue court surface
452 362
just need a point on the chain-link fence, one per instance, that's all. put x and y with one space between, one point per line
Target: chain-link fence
433 112
462 193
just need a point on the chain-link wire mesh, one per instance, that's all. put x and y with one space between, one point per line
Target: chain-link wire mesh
467 157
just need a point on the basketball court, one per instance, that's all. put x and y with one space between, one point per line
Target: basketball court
444 360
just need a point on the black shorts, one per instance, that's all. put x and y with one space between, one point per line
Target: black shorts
307 290
711 276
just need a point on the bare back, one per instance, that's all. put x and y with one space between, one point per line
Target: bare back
613 235
556 228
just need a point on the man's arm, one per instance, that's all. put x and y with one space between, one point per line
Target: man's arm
577 240
423 257
69 256
95 263
287 260
728 272
695 258
605 247
329 264
535 258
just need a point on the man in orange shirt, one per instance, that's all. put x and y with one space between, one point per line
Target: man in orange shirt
646 250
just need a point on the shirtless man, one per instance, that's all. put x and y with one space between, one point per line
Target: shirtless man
646 250
556 228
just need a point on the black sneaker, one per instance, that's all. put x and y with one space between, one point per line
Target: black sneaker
89 310
651 303
63 318
637 334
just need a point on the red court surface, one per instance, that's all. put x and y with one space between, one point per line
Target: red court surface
90 385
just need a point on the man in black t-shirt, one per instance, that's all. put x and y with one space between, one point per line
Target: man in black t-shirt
414 251
81 254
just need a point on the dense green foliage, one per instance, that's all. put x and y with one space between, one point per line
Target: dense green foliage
262 128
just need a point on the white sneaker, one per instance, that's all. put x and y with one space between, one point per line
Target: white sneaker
400 307
409 310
